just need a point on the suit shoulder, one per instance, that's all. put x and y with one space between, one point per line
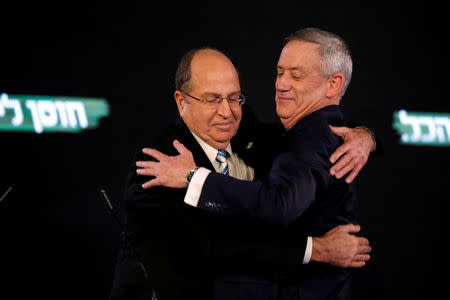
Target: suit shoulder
163 142
317 130
314 140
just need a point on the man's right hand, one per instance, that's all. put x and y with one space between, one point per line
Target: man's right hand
341 248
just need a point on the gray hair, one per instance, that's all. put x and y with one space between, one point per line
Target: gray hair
334 52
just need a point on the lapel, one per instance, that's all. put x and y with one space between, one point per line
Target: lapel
182 133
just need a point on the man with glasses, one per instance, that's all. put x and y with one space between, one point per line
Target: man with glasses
192 254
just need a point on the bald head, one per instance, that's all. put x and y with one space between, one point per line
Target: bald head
212 67
209 56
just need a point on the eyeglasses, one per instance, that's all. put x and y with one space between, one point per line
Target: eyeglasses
214 101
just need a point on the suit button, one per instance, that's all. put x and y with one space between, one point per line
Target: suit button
208 204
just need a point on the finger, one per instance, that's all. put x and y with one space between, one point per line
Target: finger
180 148
362 241
152 183
147 172
364 250
350 228
154 153
338 153
357 264
353 174
348 167
341 131
362 257
341 163
146 164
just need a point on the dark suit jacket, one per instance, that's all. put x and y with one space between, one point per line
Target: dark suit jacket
193 254
298 193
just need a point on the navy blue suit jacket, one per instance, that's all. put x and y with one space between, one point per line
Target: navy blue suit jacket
193 254
298 193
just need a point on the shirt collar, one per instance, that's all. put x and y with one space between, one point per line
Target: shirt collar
210 151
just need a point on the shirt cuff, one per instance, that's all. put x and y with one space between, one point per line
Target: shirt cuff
195 186
308 251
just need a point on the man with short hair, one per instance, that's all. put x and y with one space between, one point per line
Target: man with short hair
314 70
192 254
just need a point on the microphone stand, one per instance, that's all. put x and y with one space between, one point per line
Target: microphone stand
6 193
113 213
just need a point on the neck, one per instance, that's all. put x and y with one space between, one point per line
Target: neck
218 145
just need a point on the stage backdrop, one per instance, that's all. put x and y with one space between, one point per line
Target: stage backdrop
109 69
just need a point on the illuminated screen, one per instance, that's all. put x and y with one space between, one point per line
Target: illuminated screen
420 128
42 114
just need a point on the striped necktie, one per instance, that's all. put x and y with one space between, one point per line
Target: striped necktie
222 160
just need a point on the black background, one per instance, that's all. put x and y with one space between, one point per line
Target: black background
57 239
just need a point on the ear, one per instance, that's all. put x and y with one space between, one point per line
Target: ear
179 99
335 84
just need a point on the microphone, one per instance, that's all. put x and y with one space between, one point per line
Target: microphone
111 208
6 193
113 212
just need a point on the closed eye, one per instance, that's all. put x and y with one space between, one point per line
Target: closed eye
211 99
296 76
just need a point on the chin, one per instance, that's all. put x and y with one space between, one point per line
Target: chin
223 137
283 112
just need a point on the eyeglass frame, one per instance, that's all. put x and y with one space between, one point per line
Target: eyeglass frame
241 99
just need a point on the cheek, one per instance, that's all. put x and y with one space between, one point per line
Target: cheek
205 119
315 89
195 119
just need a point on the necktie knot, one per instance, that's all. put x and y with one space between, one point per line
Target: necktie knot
221 158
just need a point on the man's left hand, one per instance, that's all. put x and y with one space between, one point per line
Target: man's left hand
341 248
352 155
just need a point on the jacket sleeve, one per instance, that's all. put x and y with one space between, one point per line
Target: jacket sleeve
260 248
282 197
155 214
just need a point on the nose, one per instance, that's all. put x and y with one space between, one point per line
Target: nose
224 109
282 83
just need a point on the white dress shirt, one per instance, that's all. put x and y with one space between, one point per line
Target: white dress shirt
237 168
